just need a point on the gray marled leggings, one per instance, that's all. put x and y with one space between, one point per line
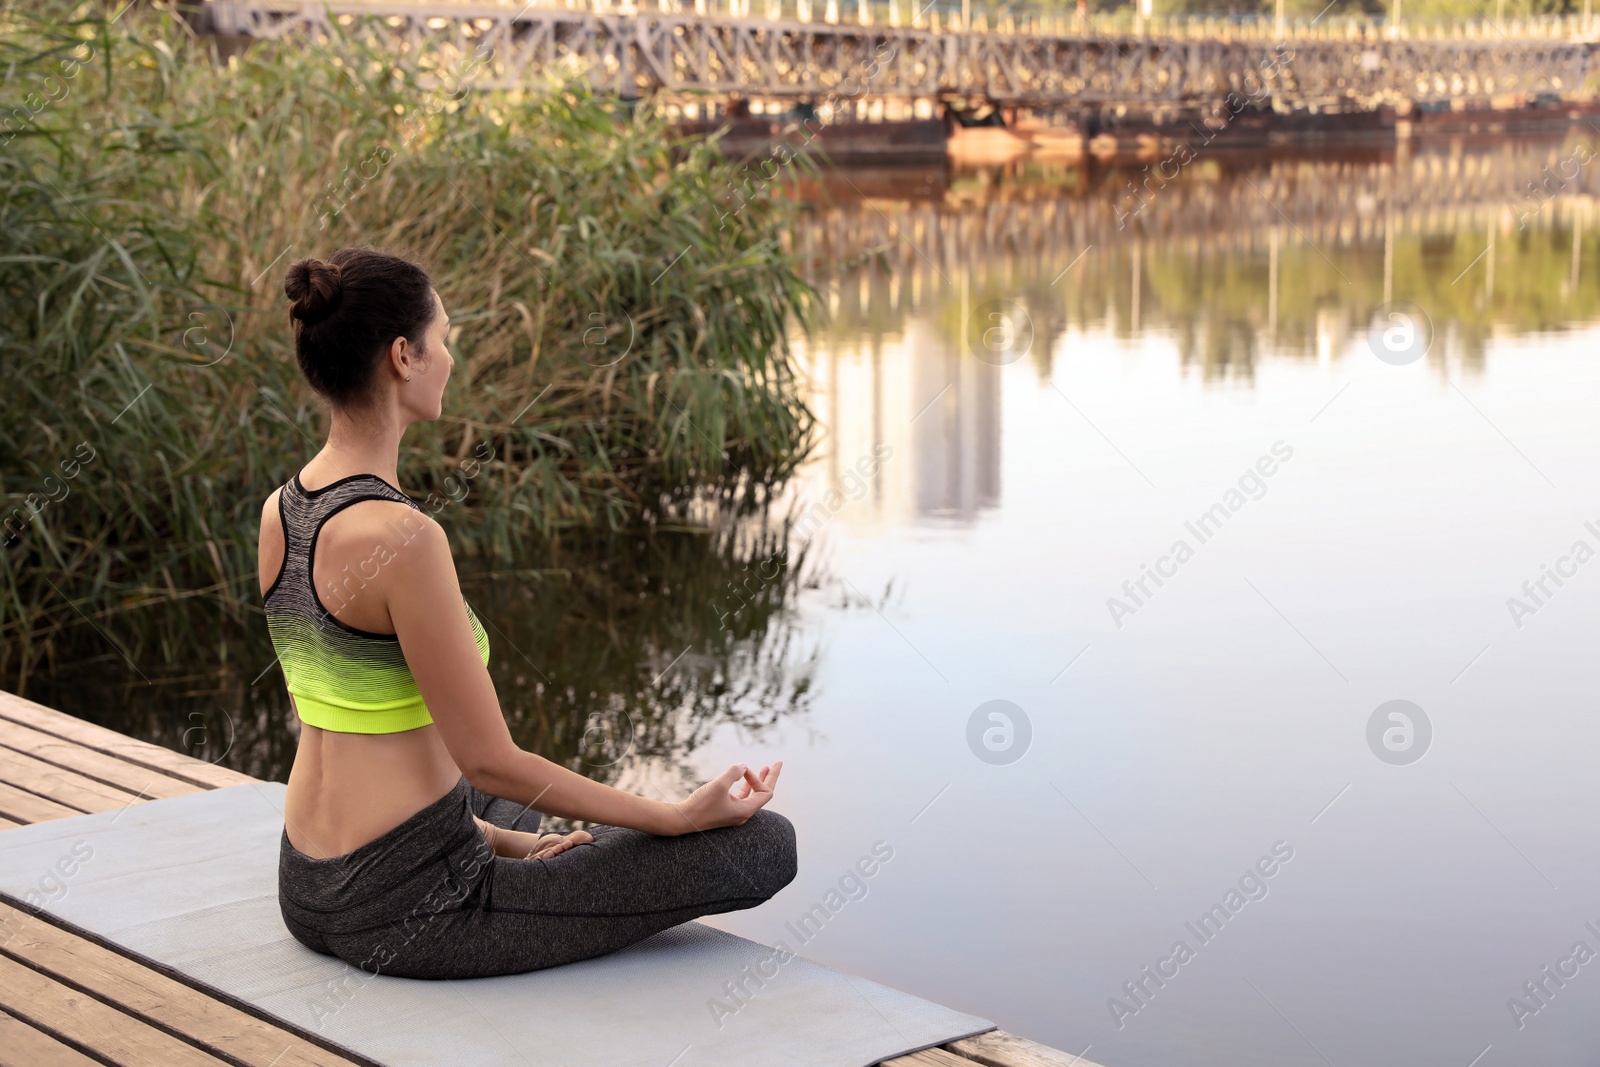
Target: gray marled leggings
429 900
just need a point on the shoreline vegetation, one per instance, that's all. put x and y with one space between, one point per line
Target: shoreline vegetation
623 364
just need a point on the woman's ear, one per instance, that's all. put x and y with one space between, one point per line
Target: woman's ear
400 354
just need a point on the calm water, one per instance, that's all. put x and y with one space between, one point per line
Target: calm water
1152 486
1179 738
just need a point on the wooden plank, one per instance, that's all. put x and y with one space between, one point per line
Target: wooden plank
6 824
19 805
92 764
61 785
928 1057
156 998
154 757
108 1034
1000 1049
23 1046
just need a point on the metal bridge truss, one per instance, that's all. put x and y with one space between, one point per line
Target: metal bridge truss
644 53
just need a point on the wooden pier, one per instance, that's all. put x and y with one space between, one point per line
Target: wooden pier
71 1001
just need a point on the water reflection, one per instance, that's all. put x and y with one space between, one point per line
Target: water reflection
923 402
1237 258
1241 260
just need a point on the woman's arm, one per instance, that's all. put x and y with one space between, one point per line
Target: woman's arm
425 605
564 793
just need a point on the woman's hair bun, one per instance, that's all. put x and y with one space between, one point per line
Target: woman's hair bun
378 297
315 287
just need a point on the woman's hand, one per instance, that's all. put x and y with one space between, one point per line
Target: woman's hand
549 845
727 800
515 844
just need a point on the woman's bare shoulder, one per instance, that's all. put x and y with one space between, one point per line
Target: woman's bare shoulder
403 540
271 531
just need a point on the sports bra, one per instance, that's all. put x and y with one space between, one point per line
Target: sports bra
342 678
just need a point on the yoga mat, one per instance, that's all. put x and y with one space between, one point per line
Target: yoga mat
190 882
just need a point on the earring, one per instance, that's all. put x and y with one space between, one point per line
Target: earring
408 377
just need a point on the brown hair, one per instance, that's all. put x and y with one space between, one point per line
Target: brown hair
347 310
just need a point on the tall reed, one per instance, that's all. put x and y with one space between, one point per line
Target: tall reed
621 342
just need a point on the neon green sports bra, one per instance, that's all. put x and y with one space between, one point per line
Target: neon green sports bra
342 679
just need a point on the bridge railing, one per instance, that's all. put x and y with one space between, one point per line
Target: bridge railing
964 16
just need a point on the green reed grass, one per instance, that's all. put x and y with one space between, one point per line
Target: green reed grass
149 204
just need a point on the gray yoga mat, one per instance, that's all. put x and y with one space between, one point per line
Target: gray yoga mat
190 882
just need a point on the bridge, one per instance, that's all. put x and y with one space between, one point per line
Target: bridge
793 51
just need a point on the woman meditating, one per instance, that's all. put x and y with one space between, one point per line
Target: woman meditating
410 843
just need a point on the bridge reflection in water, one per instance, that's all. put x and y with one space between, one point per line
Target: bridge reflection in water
1234 263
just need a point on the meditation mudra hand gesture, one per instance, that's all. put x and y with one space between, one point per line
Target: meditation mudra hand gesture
721 802
727 800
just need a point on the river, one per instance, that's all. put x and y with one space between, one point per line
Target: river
1175 499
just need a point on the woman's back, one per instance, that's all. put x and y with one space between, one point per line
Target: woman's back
369 756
